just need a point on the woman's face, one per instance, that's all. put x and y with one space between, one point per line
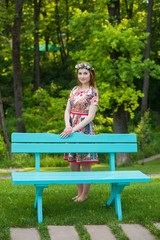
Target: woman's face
83 76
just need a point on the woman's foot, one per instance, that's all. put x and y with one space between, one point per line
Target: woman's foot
80 199
74 198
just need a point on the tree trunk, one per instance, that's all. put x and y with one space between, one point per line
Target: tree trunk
120 118
7 3
47 42
114 11
144 105
67 22
129 8
59 34
16 64
2 121
7 24
120 125
37 7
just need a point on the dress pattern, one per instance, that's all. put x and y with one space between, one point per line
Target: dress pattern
80 102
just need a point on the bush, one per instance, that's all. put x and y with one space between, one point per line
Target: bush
147 138
25 160
143 132
3 148
42 112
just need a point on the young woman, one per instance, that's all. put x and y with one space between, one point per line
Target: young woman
79 114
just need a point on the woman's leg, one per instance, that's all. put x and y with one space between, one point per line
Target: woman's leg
86 187
76 168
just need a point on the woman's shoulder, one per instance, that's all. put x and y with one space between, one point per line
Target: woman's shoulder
94 90
75 88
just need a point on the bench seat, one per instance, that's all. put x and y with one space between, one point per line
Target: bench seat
78 177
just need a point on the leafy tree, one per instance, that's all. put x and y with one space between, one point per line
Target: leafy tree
37 7
114 76
17 65
144 104
109 34
154 85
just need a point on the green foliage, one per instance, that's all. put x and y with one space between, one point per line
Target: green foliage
87 35
43 113
143 132
57 76
148 135
114 78
102 124
25 160
3 148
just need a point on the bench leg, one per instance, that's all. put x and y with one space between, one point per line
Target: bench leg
118 207
39 210
116 189
38 202
111 200
35 203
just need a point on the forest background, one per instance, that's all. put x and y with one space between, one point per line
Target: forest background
42 41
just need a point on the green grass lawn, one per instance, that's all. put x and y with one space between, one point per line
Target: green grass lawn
140 204
147 168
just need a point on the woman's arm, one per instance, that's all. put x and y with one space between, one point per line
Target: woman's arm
68 129
67 114
88 119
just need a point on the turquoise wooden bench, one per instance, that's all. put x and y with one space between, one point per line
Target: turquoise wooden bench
51 143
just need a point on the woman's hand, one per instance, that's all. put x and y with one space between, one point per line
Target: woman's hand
67 132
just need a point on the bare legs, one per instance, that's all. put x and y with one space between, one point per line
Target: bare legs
83 189
76 168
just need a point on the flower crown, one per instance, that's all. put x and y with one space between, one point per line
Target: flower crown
84 65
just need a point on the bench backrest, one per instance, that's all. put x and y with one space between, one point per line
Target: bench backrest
76 143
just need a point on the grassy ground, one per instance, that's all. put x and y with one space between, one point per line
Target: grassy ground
147 168
140 204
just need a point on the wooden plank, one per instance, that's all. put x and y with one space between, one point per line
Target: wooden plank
75 137
71 148
78 177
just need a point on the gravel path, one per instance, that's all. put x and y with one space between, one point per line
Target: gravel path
149 159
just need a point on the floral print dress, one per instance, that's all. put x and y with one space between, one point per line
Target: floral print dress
80 102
